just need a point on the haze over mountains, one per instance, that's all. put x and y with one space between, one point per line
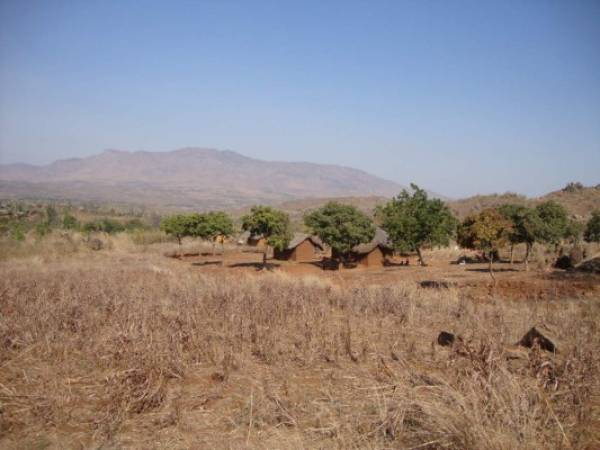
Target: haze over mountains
186 178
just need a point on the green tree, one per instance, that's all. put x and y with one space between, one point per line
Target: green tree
526 228
272 224
487 231
413 221
592 229
574 231
554 222
220 226
180 225
211 226
105 225
342 227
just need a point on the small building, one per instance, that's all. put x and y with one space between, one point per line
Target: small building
302 248
374 253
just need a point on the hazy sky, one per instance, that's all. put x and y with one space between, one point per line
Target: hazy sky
460 97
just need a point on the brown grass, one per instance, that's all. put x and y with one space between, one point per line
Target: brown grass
134 350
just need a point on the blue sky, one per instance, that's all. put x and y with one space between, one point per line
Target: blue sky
461 97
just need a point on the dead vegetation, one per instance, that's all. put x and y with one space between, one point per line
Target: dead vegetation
120 350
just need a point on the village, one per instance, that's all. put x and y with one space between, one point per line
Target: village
299 225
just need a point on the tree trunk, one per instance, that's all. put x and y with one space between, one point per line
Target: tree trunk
421 260
213 246
264 261
512 248
491 266
527 252
340 259
179 240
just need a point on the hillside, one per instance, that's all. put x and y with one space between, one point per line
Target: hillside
189 178
579 201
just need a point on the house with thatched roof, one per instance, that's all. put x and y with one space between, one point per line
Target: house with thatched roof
374 253
302 248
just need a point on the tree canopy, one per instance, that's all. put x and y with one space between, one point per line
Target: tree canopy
554 222
203 225
179 225
592 229
526 226
487 231
212 224
414 220
70 222
340 226
271 223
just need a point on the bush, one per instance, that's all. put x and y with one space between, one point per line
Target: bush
16 232
70 222
573 187
592 229
104 225
42 229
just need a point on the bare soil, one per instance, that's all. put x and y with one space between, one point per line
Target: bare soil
473 280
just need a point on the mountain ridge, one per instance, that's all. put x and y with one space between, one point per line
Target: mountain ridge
188 177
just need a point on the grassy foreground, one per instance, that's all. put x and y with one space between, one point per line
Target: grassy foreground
132 350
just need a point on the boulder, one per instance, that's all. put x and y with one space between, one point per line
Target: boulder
591 265
446 339
95 244
534 337
563 262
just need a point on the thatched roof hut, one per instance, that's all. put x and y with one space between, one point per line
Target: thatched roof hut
373 253
302 248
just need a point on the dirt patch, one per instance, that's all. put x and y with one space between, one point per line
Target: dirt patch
471 280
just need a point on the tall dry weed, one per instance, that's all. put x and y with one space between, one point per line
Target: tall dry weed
139 353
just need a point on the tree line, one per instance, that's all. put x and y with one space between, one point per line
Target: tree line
41 222
412 220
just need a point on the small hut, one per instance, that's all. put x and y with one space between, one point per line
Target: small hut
302 248
374 253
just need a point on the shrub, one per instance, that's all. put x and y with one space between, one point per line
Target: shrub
592 229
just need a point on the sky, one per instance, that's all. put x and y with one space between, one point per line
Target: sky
461 97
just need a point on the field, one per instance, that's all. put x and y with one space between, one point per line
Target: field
127 348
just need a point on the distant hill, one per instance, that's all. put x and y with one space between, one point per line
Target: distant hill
200 179
190 178
579 201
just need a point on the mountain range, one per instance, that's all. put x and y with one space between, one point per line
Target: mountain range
193 178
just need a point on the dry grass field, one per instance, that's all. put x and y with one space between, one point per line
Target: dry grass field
126 348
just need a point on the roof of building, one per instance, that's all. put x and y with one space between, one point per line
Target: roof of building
298 238
381 239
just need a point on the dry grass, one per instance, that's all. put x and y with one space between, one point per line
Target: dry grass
133 350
